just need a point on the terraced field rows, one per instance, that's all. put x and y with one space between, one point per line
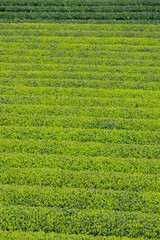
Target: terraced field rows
79 130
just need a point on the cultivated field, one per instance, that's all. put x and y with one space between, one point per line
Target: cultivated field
80 130
90 11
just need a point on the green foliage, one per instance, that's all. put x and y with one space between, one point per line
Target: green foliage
50 11
80 198
79 121
77 111
78 163
39 120
80 179
14 235
82 135
75 148
95 222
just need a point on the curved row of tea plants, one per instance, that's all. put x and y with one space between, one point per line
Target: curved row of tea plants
73 221
80 198
14 235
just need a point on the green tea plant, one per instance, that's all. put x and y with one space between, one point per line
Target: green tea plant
79 120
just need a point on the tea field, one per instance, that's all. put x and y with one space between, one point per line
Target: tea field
79 126
90 11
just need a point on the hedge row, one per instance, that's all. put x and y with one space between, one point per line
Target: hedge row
70 42
81 135
50 100
76 122
42 16
80 9
77 83
79 2
73 73
26 68
80 92
80 198
78 111
80 61
80 163
81 50
80 179
95 223
47 56
79 28
14 235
